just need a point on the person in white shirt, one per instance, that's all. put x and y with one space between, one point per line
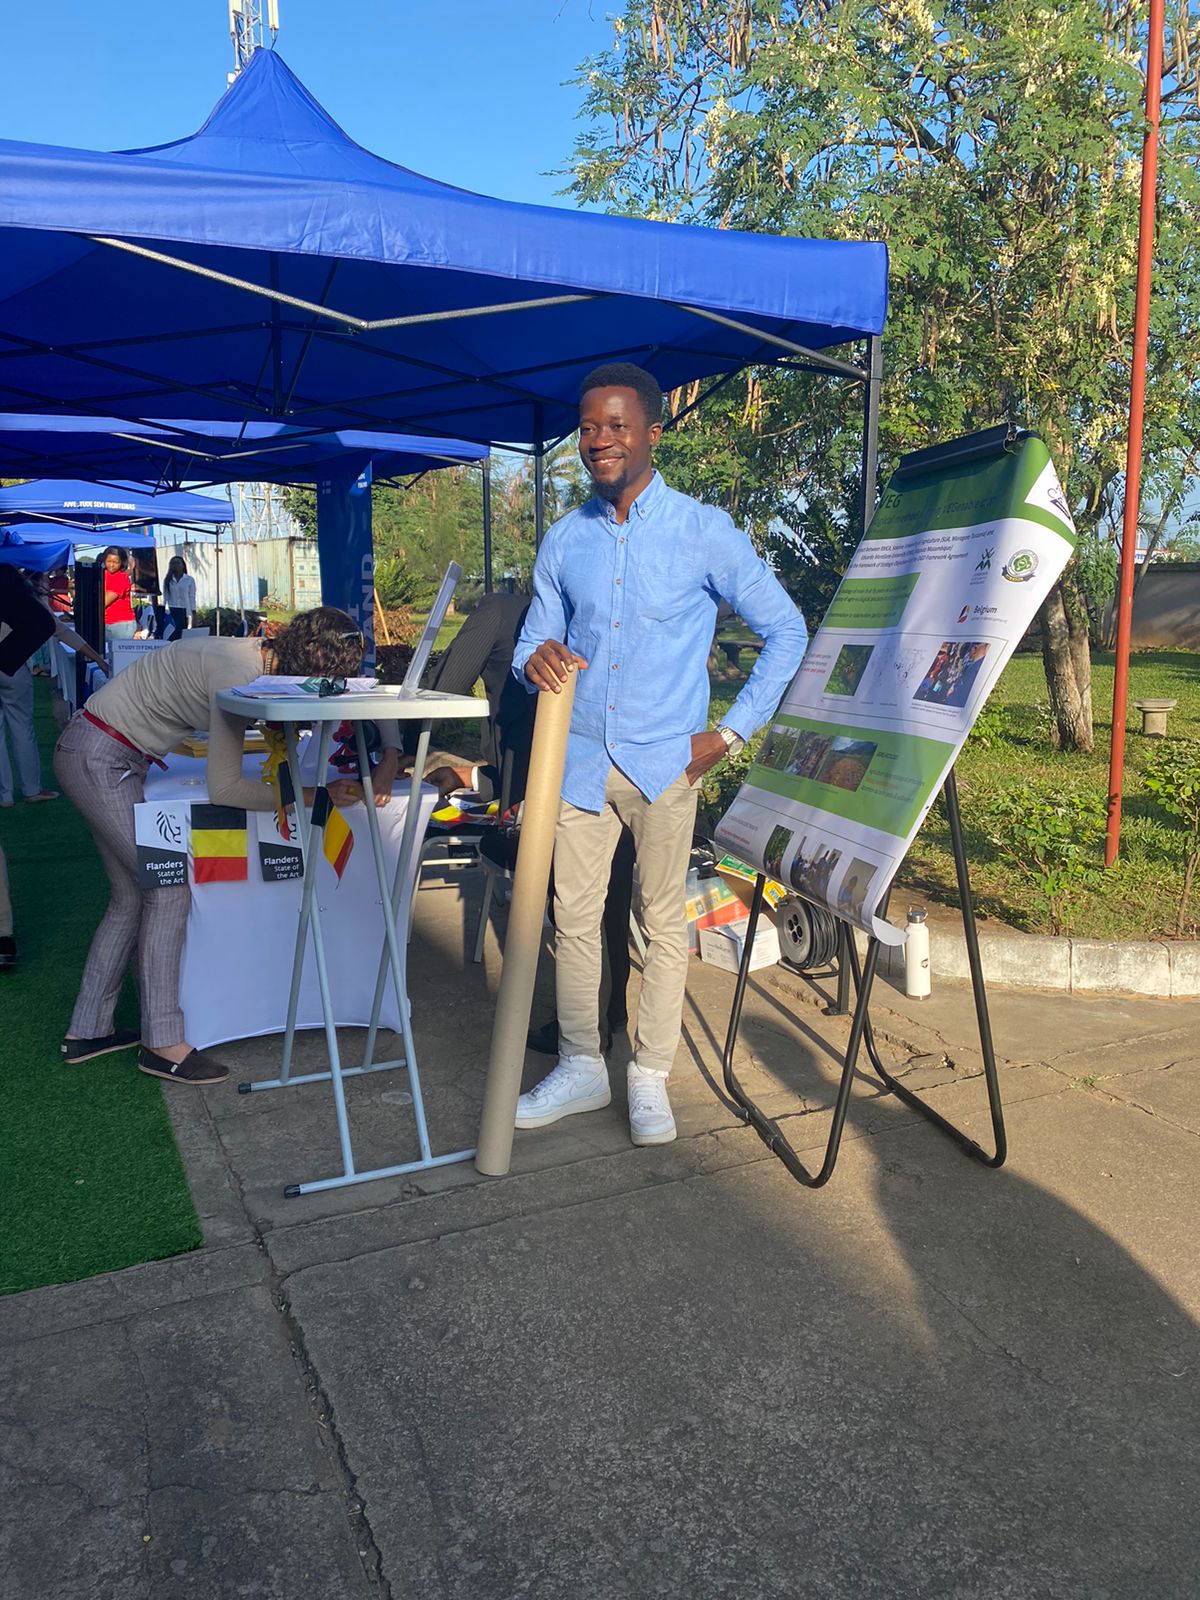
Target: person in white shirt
179 594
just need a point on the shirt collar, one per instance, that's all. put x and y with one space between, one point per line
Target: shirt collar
641 507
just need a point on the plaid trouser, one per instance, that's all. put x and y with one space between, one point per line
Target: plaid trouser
105 780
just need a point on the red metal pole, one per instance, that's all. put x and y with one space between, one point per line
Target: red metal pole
1133 458
1137 408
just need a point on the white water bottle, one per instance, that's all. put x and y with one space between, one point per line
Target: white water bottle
917 983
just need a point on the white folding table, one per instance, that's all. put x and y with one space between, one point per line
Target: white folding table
423 706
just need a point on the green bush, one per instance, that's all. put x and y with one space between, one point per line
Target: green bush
1053 839
1174 776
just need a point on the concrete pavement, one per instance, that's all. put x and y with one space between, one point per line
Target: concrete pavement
666 1372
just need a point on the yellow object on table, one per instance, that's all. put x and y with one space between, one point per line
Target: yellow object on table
196 745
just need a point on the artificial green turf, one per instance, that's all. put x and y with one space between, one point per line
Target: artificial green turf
90 1177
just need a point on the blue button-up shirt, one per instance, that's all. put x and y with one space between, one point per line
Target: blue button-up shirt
638 601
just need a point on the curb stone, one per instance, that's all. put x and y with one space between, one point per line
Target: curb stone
1163 968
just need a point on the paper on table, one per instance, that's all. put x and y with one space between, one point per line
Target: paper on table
278 688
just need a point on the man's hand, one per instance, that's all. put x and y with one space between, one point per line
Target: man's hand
345 792
707 750
551 664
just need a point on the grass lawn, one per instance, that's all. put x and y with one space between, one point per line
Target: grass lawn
91 1179
1139 897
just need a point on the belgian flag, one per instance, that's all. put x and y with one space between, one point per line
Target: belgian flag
337 841
218 844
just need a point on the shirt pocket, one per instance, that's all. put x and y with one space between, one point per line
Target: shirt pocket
666 584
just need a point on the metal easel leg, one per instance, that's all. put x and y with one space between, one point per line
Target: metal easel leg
862 1034
987 1049
766 1127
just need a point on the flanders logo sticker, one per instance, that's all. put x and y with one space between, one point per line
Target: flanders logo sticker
1020 567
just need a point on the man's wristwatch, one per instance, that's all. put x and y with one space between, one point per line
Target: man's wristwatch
733 741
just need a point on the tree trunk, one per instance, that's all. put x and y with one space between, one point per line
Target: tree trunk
1068 663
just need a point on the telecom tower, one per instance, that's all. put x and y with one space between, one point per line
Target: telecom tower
247 31
259 506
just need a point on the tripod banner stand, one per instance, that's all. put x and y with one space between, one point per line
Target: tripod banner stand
967 542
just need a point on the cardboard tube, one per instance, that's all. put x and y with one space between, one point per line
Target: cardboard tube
543 795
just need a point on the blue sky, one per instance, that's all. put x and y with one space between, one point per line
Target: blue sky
469 91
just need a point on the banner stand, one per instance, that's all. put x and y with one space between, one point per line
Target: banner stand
863 977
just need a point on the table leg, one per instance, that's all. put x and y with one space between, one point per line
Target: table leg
311 835
302 826
408 840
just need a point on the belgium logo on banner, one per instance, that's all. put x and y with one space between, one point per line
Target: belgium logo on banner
218 844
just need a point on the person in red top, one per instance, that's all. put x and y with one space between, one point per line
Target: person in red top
119 621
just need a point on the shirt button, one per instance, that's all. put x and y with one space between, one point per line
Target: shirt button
614 666
616 624
620 541
618 582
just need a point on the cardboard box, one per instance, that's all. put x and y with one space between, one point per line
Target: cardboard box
740 879
709 903
722 947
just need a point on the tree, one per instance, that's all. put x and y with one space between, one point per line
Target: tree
996 148
438 518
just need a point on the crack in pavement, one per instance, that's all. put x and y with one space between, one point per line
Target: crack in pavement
324 1420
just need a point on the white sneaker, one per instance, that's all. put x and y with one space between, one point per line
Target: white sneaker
577 1083
650 1119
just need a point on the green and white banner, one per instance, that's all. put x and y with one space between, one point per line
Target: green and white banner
935 600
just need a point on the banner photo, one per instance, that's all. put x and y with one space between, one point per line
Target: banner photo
935 600
346 551
280 857
160 833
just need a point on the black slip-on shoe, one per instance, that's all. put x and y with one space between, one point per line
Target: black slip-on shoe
195 1068
8 953
76 1050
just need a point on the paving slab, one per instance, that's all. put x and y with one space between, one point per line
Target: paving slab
173 1453
726 1385
667 1372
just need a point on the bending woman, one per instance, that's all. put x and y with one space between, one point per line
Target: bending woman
101 762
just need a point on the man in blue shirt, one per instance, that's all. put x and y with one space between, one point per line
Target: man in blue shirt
625 593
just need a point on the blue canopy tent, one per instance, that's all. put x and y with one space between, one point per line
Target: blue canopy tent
106 505
57 533
34 554
270 268
169 452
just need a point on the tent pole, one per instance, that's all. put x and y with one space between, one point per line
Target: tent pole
486 468
873 384
217 618
868 488
538 490
539 480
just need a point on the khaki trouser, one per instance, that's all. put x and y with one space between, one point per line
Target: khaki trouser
583 851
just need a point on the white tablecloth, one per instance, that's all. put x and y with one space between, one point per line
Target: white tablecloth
241 937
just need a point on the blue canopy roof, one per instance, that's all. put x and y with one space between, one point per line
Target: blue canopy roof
101 505
213 452
35 555
97 537
330 287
